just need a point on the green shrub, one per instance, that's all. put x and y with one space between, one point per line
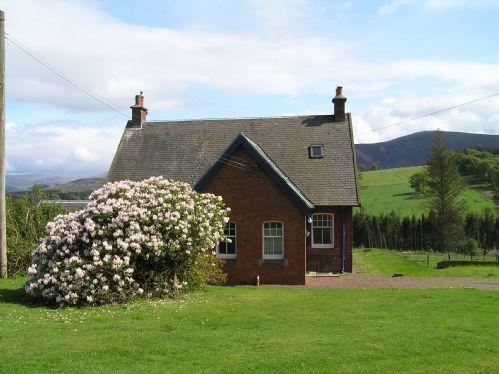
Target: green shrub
27 216
471 248
151 238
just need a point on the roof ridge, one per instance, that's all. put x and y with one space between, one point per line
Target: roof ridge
238 118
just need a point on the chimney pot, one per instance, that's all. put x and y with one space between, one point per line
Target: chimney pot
139 100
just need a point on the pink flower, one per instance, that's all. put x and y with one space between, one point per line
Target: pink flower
79 273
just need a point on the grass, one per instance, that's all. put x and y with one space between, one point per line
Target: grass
385 190
266 329
385 262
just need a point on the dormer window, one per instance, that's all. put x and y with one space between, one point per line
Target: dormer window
316 151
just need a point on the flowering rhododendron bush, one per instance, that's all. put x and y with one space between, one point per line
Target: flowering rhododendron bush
149 238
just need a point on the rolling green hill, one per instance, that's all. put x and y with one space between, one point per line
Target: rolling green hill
78 185
382 191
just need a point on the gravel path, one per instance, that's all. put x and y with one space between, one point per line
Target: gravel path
374 281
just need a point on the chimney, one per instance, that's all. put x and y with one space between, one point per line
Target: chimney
339 105
139 113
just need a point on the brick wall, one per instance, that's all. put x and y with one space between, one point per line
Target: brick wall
329 259
255 198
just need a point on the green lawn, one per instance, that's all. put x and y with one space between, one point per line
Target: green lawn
266 329
385 190
385 262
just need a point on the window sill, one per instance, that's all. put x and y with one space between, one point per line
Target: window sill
322 246
222 257
273 262
232 260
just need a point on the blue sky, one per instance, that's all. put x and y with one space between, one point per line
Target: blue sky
196 59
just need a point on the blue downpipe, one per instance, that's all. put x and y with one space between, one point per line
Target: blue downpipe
343 238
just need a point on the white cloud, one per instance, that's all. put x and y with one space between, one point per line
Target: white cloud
163 62
83 154
64 148
166 63
393 6
281 13
389 101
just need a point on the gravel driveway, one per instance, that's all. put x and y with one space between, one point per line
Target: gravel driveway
355 280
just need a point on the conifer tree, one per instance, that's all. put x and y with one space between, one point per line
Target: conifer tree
444 186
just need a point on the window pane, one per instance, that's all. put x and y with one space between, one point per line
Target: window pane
317 235
267 249
277 246
231 247
326 236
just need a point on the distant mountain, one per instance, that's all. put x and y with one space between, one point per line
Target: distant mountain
79 185
27 181
411 150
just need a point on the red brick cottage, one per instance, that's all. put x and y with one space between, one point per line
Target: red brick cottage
290 182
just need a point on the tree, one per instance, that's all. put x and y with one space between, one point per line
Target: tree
494 181
417 181
471 248
444 187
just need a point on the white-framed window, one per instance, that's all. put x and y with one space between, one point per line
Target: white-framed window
225 249
322 230
316 151
273 240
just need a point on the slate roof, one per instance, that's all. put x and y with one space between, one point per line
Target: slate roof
187 150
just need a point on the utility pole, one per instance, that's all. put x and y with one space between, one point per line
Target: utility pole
3 226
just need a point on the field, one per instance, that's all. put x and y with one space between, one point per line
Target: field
385 190
266 329
385 262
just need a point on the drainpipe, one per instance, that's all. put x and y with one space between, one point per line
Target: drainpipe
343 237
308 229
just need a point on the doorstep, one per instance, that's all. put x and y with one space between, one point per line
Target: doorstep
316 274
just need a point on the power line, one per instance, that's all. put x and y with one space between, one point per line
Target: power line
430 114
229 159
224 161
64 77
